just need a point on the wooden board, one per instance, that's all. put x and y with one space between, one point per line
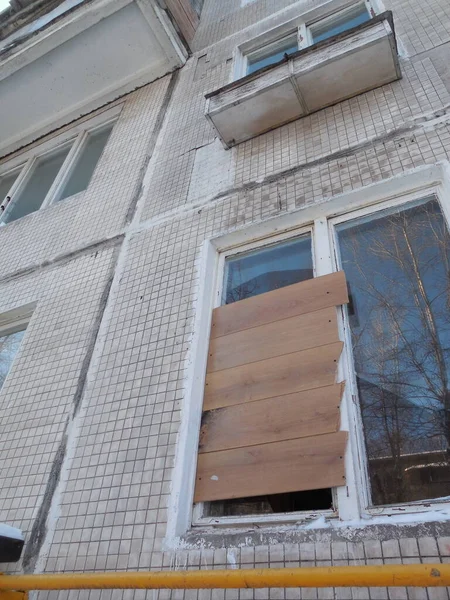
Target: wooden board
302 414
275 468
185 17
297 299
272 377
273 339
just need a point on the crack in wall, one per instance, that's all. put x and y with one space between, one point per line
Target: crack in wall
39 530
151 147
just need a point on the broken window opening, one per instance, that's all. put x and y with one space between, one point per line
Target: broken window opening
310 500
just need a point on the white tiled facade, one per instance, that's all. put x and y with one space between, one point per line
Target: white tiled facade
91 411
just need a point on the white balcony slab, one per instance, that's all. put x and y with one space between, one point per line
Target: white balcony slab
339 68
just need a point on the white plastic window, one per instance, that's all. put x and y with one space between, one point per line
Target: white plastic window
56 174
272 53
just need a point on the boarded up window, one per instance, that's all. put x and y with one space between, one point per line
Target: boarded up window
271 405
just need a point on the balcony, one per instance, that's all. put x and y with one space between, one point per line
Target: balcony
353 62
74 58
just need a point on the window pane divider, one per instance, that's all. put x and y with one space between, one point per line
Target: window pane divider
345 497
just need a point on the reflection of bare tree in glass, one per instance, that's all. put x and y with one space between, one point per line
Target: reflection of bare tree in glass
399 275
9 344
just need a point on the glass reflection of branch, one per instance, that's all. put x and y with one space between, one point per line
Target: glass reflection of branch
397 265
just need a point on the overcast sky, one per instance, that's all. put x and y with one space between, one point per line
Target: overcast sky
3 4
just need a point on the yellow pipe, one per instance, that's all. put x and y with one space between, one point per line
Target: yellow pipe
428 575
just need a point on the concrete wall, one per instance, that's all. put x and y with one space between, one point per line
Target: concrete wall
115 274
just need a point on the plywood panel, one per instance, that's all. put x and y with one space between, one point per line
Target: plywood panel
300 298
273 339
272 377
278 467
184 16
303 414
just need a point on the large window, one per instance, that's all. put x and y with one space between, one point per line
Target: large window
397 264
248 274
56 174
394 264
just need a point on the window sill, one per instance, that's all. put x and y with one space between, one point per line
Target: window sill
336 69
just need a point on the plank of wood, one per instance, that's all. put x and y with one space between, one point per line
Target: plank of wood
273 339
272 377
288 466
297 299
182 19
302 414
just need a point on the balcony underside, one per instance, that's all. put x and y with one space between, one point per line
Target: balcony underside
329 72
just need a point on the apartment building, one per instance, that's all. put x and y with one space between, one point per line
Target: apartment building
225 288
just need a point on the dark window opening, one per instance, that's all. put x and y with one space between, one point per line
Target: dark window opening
273 504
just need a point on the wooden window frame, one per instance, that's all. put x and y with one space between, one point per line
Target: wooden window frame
352 504
75 137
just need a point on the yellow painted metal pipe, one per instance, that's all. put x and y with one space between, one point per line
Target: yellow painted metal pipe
428 575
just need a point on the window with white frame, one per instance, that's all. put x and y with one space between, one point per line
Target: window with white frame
273 47
337 23
52 174
248 272
397 266
396 362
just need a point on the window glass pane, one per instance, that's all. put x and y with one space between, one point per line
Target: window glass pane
397 265
6 183
339 23
9 345
270 268
272 54
36 188
86 163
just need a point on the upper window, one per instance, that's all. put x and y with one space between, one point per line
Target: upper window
272 53
255 56
251 273
272 360
51 176
339 22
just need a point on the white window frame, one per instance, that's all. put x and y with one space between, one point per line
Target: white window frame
76 136
306 30
198 518
348 362
352 499
299 26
